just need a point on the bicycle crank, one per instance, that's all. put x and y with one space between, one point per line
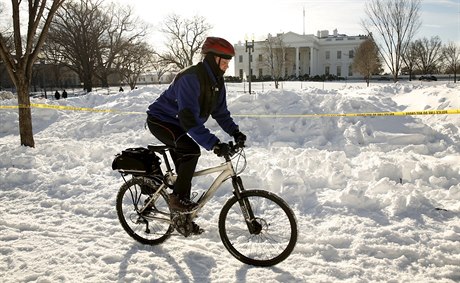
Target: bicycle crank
182 223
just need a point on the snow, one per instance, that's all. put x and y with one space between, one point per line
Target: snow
376 198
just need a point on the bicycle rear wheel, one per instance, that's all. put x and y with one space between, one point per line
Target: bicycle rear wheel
148 222
275 228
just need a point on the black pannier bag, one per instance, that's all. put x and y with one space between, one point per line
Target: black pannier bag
137 161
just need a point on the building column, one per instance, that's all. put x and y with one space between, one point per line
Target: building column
313 61
297 55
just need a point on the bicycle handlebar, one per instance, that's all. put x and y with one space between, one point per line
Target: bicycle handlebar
234 148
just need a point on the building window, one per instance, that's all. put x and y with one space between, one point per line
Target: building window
339 71
260 73
327 70
339 54
351 54
240 58
350 71
260 58
328 55
241 73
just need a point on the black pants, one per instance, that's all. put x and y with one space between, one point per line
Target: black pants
185 152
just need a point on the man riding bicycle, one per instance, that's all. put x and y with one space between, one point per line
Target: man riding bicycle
177 116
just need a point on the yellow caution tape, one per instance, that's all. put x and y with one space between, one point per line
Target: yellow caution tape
371 114
72 108
8 106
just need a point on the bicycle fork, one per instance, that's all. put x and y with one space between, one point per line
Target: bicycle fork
254 227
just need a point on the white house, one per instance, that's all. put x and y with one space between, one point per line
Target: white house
305 55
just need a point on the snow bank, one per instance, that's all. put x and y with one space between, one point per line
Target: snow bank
377 199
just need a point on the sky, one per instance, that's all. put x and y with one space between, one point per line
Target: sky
377 199
240 19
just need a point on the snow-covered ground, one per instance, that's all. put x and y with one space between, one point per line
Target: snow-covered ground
377 199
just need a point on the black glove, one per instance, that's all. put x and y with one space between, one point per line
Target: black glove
239 137
221 149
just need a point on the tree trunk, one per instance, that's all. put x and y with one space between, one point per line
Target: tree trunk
104 80
88 83
25 115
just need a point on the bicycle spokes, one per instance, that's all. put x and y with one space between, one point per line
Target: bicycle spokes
263 240
145 217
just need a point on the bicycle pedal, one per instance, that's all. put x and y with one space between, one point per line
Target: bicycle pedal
184 225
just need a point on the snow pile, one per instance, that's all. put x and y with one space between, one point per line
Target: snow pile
6 95
376 198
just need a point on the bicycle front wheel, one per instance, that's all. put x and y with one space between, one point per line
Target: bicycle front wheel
145 220
267 239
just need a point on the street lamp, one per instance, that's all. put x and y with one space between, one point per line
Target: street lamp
249 48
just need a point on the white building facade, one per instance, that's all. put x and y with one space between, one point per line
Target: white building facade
310 55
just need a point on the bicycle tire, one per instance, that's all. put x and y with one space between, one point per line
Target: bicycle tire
278 236
153 225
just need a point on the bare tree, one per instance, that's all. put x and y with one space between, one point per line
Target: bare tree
159 68
19 62
184 40
396 22
90 38
7 35
367 59
51 55
409 58
451 54
275 57
123 32
429 54
137 57
76 35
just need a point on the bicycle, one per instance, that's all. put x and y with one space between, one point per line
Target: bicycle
256 226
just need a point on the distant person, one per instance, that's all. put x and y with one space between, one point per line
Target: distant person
57 95
121 89
64 94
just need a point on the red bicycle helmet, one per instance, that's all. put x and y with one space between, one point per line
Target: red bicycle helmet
218 46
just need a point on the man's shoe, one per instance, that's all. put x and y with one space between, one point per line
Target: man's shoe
181 204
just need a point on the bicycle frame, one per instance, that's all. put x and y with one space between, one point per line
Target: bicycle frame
226 171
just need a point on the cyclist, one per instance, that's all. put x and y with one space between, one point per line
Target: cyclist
177 116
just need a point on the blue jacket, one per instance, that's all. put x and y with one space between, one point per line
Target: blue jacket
181 105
